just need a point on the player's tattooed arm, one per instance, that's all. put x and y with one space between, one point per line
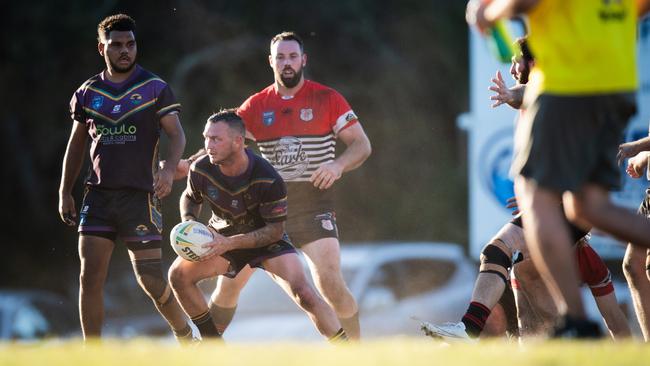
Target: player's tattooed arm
189 209
263 236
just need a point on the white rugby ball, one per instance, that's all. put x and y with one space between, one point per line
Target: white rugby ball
187 239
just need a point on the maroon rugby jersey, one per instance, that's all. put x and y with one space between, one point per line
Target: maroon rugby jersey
239 204
123 122
297 135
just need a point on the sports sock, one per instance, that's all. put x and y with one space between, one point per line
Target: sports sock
475 317
206 326
221 316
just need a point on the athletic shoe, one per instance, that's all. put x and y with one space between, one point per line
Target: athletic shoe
447 331
570 327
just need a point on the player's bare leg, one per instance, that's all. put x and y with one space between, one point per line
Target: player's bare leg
324 259
147 267
184 277
536 310
488 289
592 205
95 255
496 324
287 271
634 268
223 302
549 242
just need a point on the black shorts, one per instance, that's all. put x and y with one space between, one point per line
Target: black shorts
307 227
132 215
564 142
239 258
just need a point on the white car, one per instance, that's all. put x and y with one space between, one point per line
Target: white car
395 285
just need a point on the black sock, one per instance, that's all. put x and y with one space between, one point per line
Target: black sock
475 317
221 316
206 326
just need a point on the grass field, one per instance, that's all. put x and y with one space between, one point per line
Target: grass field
398 351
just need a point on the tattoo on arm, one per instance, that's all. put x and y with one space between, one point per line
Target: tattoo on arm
263 236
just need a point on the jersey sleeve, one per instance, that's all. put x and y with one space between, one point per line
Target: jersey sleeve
342 115
273 203
593 270
77 107
193 188
247 114
166 102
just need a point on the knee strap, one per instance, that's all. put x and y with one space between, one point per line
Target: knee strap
149 275
495 258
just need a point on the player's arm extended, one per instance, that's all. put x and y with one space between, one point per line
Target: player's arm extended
613 315
513 96
483 14
632 148
72 161
269 234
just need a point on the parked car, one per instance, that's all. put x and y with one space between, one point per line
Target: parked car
395 283
36 314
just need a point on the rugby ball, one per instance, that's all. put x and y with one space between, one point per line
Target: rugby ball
187 238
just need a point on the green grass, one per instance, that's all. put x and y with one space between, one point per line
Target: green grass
396 351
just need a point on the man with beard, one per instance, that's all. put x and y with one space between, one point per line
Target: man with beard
122 110
296 123
245 191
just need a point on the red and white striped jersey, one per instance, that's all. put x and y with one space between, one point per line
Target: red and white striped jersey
297 134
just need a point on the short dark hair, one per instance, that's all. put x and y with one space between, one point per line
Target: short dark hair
229 117
522 45
288 36
117 22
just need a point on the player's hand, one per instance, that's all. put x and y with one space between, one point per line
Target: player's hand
218 246
512 203
325 176
475 15
66 209
626 150
636 165
162 183
503 94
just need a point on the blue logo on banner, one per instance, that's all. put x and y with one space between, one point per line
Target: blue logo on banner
495 160
268 118
97 102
